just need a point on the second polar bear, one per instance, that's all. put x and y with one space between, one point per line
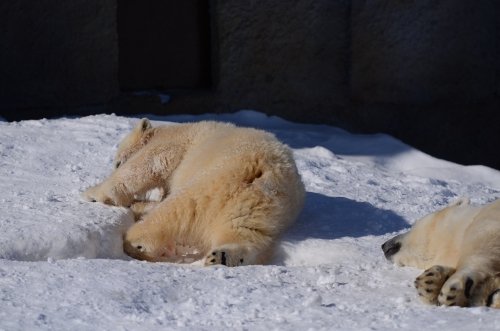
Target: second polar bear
228 192
460 248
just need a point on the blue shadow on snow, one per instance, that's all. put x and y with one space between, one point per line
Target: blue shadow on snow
326 217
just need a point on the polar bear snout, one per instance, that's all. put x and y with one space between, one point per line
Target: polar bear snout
391 247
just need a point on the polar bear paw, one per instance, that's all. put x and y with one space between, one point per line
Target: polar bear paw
459 288
456 293
443 286
231 255
487 293
95 194
493 299
430 282
109 196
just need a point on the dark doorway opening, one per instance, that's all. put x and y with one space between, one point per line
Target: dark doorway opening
164 44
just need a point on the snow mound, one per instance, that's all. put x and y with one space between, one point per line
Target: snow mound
45 165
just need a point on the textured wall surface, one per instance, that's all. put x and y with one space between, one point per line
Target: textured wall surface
57 53
427 71
425 51
282 57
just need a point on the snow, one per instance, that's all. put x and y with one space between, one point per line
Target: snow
62 264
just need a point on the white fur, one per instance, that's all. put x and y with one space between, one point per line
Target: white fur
460 248
228 192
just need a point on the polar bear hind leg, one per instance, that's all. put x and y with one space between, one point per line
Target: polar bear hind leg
230 255
238 247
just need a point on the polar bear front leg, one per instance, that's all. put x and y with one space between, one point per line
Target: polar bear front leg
430 282
109 193
141 208
137 176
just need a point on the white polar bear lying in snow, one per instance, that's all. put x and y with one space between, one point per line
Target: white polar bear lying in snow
228 192
460 248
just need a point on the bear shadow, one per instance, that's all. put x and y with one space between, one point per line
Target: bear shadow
325 217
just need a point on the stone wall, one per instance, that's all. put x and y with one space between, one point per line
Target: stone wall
286 58
424 52
426 71
57 53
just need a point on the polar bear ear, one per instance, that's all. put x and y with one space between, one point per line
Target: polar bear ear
143 125
461 202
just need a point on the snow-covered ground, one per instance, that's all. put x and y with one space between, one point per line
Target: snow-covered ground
62 265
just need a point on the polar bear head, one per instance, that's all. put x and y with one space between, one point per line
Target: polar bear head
134 141
435 237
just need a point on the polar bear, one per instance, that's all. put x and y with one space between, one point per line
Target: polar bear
460 248
228 193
